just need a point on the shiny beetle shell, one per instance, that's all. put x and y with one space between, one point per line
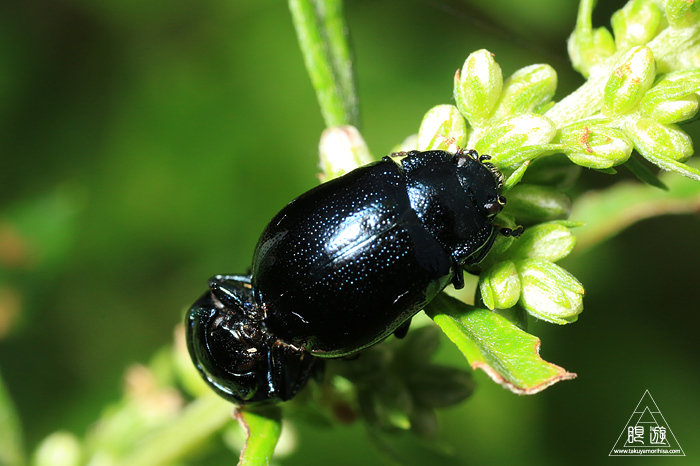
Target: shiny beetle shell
342 267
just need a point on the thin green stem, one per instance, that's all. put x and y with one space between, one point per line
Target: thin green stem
263 427
583 102
585 11
196 423
322 35
11 449
608 212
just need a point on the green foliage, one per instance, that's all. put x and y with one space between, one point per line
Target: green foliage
265 423
149 138
492 343
11 447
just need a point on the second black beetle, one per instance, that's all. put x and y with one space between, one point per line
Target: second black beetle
341 268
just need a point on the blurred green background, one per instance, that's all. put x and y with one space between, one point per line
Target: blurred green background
146 144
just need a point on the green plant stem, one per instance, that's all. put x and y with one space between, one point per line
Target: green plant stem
676 49
196 423
610 211
583 102
11 449
322 35
263 427
583 19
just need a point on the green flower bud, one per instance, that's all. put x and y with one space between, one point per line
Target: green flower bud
653 139
546 241
549 292
673 98
408 144
594 145
442 128
553 170
341 150
674 111
631 77
531 204
58 449
503 242
682 13
526 91
508 137
500 286
636 23
478 86
589 48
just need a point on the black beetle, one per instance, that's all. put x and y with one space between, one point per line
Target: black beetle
343 266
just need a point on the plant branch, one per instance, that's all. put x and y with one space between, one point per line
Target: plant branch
322 35
610 211
196 423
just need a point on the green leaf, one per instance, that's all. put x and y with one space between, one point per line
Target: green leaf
11 449
643 174
493 344
263 426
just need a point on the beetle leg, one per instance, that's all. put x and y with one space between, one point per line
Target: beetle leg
458 278
234 291
403 329
289 369
514 232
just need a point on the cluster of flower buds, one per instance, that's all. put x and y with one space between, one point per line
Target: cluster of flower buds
525 273
643 79
493 116
503 118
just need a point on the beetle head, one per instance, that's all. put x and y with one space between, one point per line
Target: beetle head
483 181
